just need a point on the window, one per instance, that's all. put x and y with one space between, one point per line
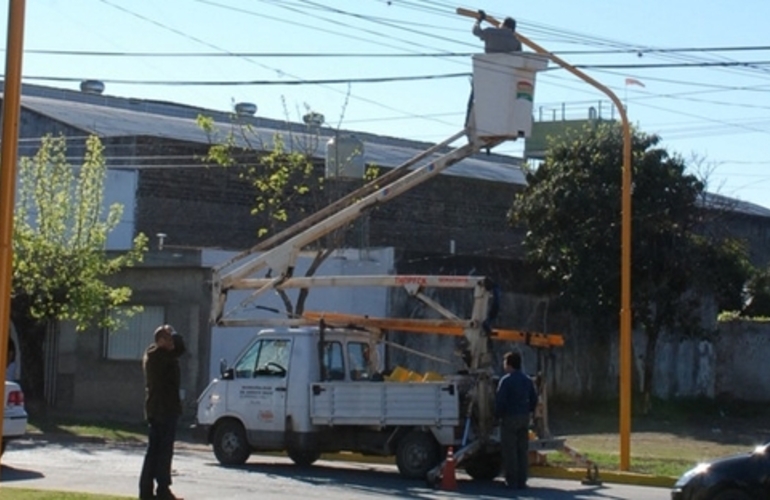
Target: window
130 340
334 365
265 358
359 360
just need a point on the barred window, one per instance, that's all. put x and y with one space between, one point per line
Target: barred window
130 340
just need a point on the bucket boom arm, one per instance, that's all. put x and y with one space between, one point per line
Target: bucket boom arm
280 259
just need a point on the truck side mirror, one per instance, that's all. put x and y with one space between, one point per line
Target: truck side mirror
228 374
222 366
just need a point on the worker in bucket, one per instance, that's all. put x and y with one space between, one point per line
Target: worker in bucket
515 403
502 39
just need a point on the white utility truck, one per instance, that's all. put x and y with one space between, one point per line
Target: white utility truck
312 384
315 390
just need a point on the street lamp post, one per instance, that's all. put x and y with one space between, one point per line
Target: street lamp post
625 243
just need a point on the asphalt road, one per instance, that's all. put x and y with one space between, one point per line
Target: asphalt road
98 468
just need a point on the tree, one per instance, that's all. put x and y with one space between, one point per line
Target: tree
571 211
60 263
287 185
757 295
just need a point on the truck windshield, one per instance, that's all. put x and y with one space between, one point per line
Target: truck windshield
267 357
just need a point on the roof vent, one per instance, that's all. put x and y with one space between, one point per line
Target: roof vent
314 119
92 87
245 109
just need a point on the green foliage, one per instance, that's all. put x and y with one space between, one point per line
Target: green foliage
757 295
280 176
572 210
60 232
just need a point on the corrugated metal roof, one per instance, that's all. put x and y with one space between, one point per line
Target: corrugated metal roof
720 202
109 116
109 121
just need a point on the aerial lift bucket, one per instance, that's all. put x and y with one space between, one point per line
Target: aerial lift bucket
503 92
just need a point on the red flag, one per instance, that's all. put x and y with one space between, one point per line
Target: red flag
634 81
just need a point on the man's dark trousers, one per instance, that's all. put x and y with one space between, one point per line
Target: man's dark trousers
514 439
157 460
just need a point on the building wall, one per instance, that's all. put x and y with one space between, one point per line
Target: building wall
469 212
88 382
120 184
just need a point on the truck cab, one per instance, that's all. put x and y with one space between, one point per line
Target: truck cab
312 390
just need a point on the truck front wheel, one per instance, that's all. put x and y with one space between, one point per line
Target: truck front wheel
230 444
417 453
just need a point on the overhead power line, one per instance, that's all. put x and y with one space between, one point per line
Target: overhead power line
224 83
671 50
162 54
99 53
708 64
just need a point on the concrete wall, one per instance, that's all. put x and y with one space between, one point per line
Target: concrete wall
89 382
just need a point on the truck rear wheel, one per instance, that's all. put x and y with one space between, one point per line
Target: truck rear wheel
230 444
304 458
485 467
417 453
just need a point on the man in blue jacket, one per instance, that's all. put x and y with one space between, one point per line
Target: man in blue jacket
515 403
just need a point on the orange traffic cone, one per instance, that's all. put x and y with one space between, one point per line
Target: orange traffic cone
448 478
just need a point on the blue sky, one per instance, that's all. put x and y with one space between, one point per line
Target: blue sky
716 114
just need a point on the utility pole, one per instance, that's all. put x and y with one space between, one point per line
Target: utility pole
8 153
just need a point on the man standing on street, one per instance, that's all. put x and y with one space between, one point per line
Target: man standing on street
515 402
162 410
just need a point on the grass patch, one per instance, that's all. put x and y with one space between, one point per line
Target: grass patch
96 429
606 461
25 494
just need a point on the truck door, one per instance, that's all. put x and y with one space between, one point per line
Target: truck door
258 391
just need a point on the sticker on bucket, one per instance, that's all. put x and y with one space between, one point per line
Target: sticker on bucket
524 90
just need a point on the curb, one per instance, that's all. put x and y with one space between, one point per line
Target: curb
616 477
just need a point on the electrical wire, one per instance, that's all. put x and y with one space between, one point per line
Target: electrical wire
220 83
198 40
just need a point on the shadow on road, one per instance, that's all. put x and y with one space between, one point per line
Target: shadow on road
8 474
368 480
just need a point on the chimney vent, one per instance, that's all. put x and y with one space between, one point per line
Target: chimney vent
92 87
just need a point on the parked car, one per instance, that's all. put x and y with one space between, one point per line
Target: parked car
14 415
738 477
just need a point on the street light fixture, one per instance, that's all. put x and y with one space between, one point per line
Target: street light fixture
625 242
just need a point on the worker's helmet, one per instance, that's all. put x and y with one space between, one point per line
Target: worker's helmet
510 23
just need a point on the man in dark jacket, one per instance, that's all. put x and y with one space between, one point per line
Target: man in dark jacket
502 39
515 402
162 409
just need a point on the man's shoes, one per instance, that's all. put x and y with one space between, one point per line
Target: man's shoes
167 495
147 496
